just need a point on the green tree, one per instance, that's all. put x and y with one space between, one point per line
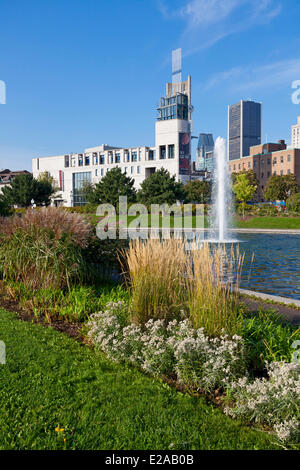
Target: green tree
113 185
161 188
293 203
198 191
24 188
244 191
4 208
251 176
281 187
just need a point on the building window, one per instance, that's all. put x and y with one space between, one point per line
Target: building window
262 163
254 164
67 161
289 158
282 159
233 167
95 159
171 151
118 158
162 152
132 170
96 172
111 158
102 159
125 170
138 170
249 164
274 173
262 175
134 157
274 161
151 155
281 172
269 174
269 161
79 180
102 171
80 160
289 172
87 160
239 166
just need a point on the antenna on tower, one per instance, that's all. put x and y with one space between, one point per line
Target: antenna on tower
176 66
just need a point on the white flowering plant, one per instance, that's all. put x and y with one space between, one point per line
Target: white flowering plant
198 361
272 401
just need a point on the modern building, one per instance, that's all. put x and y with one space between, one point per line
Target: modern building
244 128
296 135
7 176
267 160
205 153
172 149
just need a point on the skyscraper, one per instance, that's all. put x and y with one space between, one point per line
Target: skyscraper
205 153
244 128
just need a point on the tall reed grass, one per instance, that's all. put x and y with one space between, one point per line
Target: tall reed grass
43 249
212 281
167 281
155 275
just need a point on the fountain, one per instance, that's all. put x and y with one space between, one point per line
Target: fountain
221 193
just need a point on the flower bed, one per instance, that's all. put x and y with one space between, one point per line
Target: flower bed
204 364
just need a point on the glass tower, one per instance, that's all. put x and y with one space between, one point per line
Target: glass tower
205 153
244 128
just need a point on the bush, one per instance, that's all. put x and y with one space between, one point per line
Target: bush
86 209
176 348
274 402
268 339
293 203
43 248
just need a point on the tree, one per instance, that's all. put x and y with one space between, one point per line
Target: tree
251 176
4 209
161 188
24 188
293 203
244 191
198 191
113 185
281 187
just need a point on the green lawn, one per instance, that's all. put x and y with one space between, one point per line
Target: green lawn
51 381
270 222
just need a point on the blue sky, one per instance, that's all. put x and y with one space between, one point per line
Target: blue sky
80 73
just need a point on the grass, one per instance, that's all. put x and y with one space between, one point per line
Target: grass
58 394
270 223
75 304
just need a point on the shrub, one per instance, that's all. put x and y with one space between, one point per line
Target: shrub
212 281
268 339
273 402
43 248
155 274
293 203
199 362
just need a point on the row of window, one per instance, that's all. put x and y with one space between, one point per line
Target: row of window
166 150
126 170
262 163
87 160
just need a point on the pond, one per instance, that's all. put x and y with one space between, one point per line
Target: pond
276 266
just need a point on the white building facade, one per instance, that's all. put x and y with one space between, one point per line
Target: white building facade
172 151
296 135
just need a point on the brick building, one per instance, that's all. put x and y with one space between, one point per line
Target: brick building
267 160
